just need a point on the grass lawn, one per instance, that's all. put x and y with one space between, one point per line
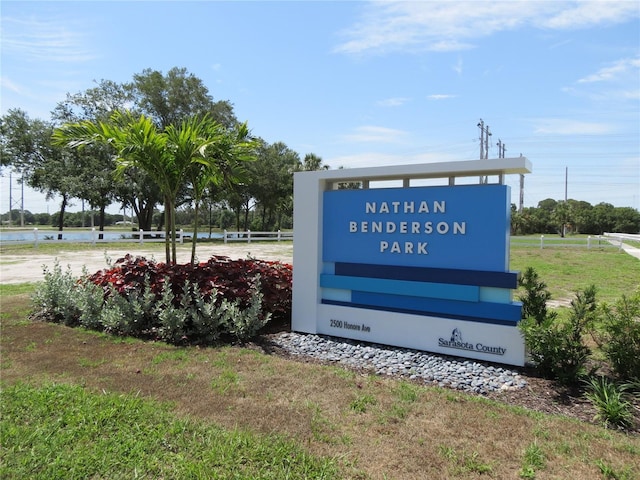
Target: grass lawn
80 404
567 270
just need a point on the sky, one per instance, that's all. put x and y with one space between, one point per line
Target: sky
366 83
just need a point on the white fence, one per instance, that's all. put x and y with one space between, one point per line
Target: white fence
250 236
93 237
635 237
141 237
608 240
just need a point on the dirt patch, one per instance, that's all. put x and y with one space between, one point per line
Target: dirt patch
560 302
28 267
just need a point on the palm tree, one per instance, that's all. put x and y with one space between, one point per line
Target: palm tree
220 164
187 144
137 143
199 151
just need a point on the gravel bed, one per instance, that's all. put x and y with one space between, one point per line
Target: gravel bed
451 372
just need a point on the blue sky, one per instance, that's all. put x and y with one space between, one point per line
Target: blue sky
367 83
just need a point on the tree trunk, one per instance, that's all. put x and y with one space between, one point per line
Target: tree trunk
246 216
172 217
101 222
63 207
167 232
144 214
210 220
263 221
195 234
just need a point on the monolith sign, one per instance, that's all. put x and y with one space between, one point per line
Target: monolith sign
423 267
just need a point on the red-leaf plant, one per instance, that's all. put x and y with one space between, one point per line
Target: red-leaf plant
232 279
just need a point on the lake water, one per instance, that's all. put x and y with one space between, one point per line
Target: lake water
28 236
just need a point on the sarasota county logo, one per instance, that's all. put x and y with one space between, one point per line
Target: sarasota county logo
456 341
456 335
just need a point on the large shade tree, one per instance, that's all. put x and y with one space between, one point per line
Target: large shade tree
272 181
96 185
168 99
26 145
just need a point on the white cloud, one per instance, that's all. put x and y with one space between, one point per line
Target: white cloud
556 126
616 70
449 46
589 13
43 40
5 82
630 94
458 67
392 102
454 26
370 133
440 96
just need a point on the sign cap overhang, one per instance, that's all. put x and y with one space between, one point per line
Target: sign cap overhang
467 168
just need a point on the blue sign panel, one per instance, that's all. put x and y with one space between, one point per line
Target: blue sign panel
458 227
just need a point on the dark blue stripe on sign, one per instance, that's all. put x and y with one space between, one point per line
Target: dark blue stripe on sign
492 321
434 275
466 293
497 311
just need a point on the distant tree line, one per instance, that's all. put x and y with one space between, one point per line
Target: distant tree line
215 218
255 193
71 219
573 217
549 217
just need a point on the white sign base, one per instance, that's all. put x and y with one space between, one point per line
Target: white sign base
488 342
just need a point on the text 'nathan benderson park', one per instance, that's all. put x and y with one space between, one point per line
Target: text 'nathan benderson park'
413 256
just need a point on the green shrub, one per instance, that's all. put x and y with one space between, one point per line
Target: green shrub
582 315
535 297
204 316
556 346
172 321
89 300
246 323
610 402
184 317
618 336
55 297
120 314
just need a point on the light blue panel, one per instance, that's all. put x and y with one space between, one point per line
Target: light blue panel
495 295
336 295
466 293
329 268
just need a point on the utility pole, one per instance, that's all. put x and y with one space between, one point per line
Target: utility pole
484 145
481 127
501 149
521 205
